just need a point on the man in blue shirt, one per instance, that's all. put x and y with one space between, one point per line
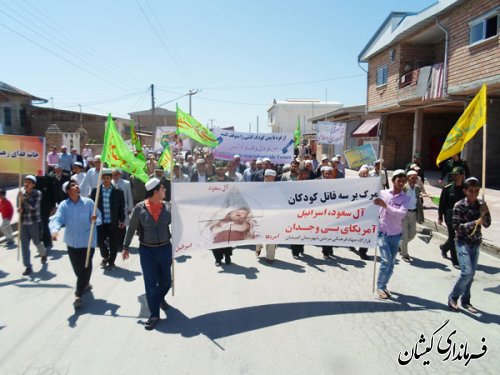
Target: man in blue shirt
76 214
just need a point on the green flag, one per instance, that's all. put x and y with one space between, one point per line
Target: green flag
166 158
117 155
136 142
194 130
296 133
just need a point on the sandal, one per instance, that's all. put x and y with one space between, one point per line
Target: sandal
151 323
382 294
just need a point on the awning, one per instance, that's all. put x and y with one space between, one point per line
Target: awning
367 128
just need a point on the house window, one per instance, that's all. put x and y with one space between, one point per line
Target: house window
22 117
382 76
7 115
484 27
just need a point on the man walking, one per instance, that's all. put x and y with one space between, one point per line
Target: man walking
414 214
112 205
29 210
393 207
451 194
76 214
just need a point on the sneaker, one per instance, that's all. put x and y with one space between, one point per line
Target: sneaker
388 293
27 271
218 264
470 308
110 267
406 258
452 304
43 259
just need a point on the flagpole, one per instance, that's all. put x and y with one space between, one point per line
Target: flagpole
19 205
92 223
484 162
171 200
380 156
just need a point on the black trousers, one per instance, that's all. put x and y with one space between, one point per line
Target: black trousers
449 245
114 236
327 250
45 231
297 249
77 258
222 252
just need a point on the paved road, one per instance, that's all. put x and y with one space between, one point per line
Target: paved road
294 317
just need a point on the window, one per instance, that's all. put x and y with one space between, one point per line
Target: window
22 117
382 76
484 27
7 112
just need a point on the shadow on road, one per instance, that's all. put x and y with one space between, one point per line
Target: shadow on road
183 258
250 273
219 324
282 265
122 273
429 264
3 274
54 254
92 306
495 289
488 269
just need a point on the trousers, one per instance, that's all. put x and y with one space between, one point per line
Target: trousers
77 257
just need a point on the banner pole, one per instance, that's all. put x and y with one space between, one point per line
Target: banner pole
172 161
380 156
19 226
374 269
484 162
92 222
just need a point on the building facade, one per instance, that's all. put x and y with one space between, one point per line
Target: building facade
424 69
284 115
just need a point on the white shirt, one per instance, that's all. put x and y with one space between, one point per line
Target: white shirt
237 176
89 182
413 198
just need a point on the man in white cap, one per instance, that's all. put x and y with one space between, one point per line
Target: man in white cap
239 167
111 203
269 176
200 174
414 214
308 165
90 180
59 178
29 213
78 173
151 218
393 207
340 166
76 215
65 160
259 175
337 173
75 156
324 163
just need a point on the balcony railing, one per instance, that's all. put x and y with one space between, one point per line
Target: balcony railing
425 83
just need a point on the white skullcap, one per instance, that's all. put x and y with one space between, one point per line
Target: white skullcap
338 156
97 158
151 184
308 161
399 172
412 173
78 164
65 185
326 168
31 178
414 166
335 160
258 161
270 172
266 160
324 157
200 161
236 156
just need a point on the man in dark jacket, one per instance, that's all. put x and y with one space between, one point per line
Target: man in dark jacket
112 206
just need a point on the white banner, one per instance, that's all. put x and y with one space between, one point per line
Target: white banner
330 133
278 147
337 212
168 134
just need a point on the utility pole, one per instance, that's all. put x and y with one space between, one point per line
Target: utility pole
153 103
249 127
211 123
257 124
191 93
81 120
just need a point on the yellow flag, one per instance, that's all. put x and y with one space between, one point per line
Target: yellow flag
473 118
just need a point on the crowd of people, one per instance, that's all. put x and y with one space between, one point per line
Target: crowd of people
67 194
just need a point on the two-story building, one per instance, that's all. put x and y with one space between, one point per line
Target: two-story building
16 110
423 70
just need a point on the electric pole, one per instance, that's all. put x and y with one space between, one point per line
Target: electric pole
257 124
191 93
153 103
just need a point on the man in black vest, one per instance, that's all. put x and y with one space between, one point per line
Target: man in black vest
112 207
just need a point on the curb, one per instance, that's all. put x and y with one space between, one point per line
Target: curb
486 246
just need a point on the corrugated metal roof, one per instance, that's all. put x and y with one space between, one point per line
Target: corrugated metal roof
399 24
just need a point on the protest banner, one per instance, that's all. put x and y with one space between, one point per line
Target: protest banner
330 133
278 147
21 154
358 156
167 134
337 212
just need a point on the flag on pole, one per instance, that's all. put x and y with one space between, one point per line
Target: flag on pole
194 130
296 133
117 155
136 142
473 118
166 158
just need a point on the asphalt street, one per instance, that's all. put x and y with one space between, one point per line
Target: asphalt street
294 317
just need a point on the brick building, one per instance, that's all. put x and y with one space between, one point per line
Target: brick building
424 68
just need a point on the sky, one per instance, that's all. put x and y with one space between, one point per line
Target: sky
240 55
